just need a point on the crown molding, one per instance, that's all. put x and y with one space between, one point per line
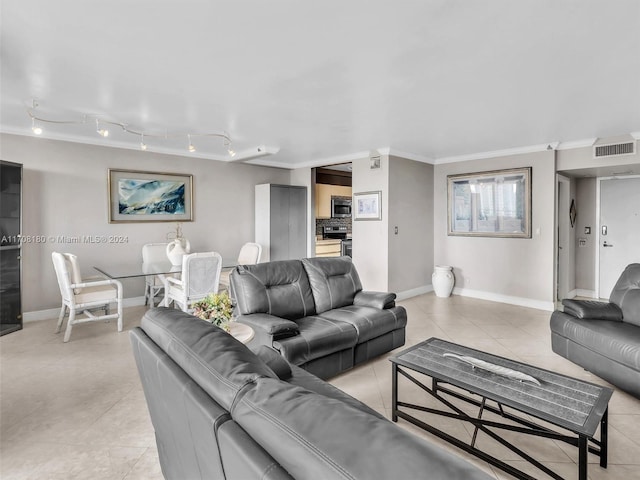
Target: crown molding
585 142
409 156
110 143
498 153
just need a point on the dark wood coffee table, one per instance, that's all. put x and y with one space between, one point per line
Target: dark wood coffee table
574 405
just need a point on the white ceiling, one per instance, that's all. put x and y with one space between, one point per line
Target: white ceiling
323 82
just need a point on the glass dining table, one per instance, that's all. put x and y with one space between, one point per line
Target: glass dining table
120 271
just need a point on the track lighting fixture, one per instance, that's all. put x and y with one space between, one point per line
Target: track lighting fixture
35 128
101 131
230 151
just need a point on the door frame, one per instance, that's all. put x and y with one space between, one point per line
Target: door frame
598 180
561 209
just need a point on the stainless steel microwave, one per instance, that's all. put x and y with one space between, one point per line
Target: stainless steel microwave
340 207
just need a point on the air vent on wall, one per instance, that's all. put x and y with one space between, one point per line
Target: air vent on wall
614 149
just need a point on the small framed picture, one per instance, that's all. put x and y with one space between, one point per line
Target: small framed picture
367 206
149 197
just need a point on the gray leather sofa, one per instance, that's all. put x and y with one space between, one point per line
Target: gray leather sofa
315 313
604 338
220 411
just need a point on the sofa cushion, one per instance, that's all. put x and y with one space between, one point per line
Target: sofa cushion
334 281
318 337
615 340
220 364
317 437
626 294
278 288
369 322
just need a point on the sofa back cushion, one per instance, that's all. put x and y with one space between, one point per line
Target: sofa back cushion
334 281
626 294
277 288
216 361
313 436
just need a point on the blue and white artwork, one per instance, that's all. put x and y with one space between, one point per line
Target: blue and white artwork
151 197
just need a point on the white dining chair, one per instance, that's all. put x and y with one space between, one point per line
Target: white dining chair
249 255
153 284
80 296
200 277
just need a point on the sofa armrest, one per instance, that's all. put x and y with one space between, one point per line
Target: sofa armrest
274 361
590 309
268 328
381 300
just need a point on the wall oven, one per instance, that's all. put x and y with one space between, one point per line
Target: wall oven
340 207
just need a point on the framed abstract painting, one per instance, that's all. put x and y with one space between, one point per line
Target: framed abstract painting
136 196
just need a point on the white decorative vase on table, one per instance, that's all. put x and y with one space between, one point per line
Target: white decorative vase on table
178 249
442 280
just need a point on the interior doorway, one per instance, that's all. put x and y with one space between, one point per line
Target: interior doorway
618 229
563 225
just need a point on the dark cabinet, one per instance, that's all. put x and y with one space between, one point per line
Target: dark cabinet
281 221
10 246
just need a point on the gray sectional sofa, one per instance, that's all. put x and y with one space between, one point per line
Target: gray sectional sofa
604 338
315 313
220 411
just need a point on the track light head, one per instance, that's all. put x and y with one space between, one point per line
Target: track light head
101 131
35 128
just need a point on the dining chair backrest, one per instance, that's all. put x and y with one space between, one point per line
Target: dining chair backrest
154 252
67 272
249 254
201 274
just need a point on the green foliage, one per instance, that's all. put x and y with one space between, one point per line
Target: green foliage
215 308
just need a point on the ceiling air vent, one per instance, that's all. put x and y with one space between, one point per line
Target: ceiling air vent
614 149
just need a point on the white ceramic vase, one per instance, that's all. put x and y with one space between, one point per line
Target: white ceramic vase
442 280
178 249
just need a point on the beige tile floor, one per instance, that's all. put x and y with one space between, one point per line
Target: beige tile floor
77 411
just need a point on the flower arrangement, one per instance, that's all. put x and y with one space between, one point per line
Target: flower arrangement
215 308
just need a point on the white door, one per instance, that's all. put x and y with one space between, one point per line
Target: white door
619 235
562 288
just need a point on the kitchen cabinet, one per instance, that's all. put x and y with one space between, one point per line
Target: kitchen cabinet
10 247
328 248
281 221
324 193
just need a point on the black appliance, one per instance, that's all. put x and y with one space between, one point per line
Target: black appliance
338 232
340 207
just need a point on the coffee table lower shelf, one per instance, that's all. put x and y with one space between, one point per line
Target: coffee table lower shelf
446 390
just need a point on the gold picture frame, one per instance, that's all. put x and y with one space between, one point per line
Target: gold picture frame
137 196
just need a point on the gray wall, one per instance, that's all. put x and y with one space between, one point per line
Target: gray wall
65 193
509 269
411 210
371 237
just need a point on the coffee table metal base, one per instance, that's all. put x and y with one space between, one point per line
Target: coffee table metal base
439 389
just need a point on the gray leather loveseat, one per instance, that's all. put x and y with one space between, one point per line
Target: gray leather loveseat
604 338
315 313
220 411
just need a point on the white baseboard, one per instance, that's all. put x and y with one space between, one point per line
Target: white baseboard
493 297
414 292
50 313
496 297
585 293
